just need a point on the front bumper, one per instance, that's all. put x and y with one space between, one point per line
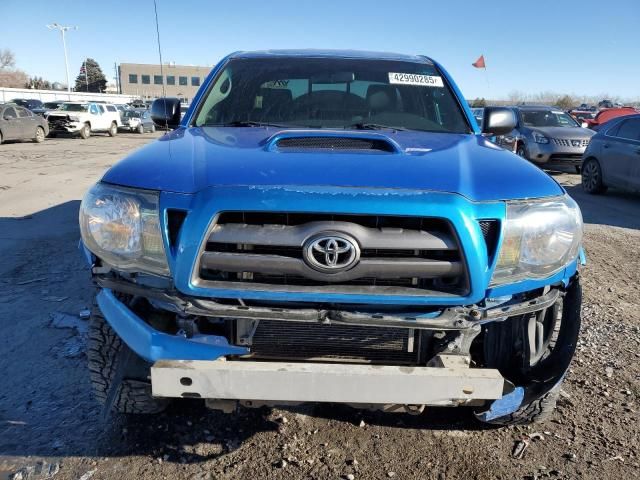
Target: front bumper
551 154
65 127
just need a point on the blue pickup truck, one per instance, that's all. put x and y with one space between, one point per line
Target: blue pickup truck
331 226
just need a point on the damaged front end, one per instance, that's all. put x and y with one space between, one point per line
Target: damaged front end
493 357
447 306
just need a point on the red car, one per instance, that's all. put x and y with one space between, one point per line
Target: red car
607 114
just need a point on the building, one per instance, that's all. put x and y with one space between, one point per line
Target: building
146 81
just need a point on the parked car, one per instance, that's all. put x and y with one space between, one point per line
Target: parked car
581 115
603 116
32 104
327 226
138 120
19 123
613 157
548 137
478 114
52 105
79 118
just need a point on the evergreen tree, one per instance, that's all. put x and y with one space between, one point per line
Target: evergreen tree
90 78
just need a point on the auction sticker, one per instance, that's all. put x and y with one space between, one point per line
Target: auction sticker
415 79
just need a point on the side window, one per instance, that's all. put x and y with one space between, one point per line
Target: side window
93 109
195 81
133 78
171 80
23 112
182 80
630 129
111 108
613 131
101 109
10 113
146 79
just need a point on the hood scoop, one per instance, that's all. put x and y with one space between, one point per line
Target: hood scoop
338 142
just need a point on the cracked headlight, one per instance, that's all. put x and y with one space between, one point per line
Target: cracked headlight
540 239
122 227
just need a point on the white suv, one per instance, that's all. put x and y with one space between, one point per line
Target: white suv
82 118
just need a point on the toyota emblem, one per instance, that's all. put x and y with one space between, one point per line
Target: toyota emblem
331 253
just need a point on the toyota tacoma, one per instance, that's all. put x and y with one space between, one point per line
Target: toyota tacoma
331 226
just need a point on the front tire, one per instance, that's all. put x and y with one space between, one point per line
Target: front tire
113 129
85 131
104 349
140 129
592 177
521 151
537 363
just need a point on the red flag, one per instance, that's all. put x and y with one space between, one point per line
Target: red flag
479 63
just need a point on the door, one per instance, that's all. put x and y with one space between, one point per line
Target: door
10 124
26 123
621 153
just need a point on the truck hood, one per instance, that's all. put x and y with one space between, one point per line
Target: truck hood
188 160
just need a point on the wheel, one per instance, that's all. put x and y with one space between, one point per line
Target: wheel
521 151
104 349
592 177
113 129
153 128
39 137
140 129
533 352
85 131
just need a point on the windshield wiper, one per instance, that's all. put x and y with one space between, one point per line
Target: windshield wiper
245 123
374 126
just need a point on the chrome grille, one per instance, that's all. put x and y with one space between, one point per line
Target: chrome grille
566 142
398 255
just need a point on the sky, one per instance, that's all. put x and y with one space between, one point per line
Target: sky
585 47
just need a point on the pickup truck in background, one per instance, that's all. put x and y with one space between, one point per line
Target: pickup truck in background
83 118
331 226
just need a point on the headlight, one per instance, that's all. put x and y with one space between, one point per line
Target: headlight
539 138
122 227
74 118
540 238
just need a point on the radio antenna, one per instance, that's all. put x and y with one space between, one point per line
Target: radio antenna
164 95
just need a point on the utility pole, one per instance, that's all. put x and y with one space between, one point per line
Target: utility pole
63 29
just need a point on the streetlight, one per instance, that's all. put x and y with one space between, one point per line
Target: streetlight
63 29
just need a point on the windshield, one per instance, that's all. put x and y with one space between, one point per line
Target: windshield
331 93
547 118
74 107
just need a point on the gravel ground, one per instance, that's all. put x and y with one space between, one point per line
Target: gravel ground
50 426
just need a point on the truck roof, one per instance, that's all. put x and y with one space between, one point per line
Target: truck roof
314 53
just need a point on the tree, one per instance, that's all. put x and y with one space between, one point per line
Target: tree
479 103
38 83
565 102
7 59
90 78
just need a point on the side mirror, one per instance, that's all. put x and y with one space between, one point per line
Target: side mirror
498 120
165 112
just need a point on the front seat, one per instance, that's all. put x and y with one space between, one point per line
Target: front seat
382 99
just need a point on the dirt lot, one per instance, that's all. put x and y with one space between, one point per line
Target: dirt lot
50 426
